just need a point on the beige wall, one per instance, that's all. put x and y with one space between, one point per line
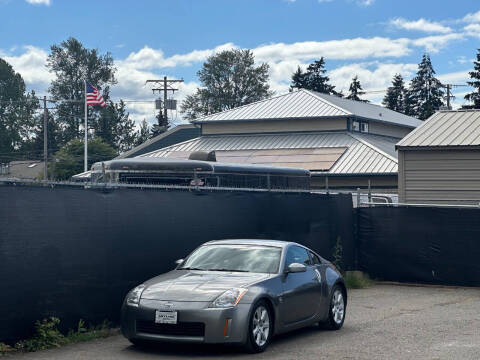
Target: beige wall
388 130
439 176
269 126
354 182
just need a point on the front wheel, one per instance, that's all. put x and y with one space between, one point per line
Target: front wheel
260 328
337 307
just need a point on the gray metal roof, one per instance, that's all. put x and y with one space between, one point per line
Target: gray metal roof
446 128
371 111
365 153
310 104
174 135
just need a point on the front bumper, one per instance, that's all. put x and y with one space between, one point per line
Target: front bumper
215 320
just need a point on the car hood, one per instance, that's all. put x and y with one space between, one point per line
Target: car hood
185 285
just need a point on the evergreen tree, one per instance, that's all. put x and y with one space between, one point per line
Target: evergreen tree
161 126
474 96
17 114
356 90
298 79
395 97
229 79
408 103
314 78
426 90
72 63
115 127
143 133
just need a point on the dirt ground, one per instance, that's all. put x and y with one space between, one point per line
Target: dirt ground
383 322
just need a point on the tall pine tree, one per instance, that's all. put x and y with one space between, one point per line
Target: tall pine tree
395 97
143 133
314 78
426 90
474 96
356 90
298 79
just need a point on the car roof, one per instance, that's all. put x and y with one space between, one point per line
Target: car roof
264 242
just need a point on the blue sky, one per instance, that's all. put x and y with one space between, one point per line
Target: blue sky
373 39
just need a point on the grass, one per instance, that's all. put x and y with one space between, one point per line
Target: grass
48 336
357 280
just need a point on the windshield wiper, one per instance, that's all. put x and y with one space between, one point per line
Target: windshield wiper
191 268
229 270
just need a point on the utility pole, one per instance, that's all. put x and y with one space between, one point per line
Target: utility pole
448 86
45 140
449 93
167 86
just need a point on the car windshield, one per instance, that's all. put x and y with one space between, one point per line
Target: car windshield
243 258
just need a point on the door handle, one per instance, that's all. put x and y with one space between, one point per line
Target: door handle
318 275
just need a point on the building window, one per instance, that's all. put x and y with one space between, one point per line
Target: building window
364 127
356 125
360 126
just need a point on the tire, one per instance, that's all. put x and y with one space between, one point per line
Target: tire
260 328
336 309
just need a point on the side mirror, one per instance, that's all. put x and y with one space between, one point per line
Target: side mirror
296 268
178 262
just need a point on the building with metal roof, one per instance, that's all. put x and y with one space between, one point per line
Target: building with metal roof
439 162
344 143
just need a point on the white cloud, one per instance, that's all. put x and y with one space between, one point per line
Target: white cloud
472 30
457 77
39 2
148 58
420 25
31 65
373 76
472 17
436 43
365 2
357 48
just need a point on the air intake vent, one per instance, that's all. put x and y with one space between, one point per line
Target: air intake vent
203 155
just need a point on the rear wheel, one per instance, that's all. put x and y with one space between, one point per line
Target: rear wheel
336 312
260 328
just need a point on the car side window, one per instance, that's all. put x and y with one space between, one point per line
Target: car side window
315 259
297 254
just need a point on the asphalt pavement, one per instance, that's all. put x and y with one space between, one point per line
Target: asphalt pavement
383 322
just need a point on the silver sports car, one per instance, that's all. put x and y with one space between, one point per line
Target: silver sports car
239 292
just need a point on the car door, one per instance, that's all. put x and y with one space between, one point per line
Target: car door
319 269
301 291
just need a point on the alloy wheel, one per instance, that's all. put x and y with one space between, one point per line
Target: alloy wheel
261 326
338 306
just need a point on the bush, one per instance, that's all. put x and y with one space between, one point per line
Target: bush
357 280
4 348
46 336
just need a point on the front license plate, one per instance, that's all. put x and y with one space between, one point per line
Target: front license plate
165 317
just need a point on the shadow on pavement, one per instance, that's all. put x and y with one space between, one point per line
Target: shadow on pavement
220 350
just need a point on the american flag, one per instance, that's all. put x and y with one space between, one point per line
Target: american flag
93 96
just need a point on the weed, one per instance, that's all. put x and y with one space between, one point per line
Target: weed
48 336
4 348
338 254
357 280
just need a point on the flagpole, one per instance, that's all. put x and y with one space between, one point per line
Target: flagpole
85 164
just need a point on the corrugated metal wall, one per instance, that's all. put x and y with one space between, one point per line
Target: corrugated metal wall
439 176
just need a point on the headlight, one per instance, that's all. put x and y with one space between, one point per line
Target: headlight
229 298
133 297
